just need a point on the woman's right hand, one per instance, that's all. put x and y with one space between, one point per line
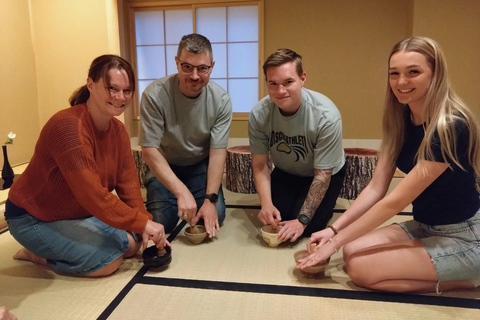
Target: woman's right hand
156 232
319 238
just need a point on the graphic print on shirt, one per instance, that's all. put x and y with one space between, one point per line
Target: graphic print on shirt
289 144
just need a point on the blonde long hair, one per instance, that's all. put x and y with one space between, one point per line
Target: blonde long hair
442 108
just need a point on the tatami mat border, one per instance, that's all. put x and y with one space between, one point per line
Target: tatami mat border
314 292
122 294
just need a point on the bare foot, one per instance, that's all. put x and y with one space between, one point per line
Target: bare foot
24 254
6 315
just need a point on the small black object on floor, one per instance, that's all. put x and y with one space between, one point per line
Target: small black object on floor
155 259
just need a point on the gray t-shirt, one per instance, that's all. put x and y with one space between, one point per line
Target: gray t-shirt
310 139
184 129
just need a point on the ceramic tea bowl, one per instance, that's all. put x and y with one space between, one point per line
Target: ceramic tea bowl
152 257
270 235
312 270
196 234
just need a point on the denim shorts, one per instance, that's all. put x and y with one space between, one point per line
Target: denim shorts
453 248
77 247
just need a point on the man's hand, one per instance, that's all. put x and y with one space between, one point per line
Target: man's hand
187 206
270 215
208 212
291 230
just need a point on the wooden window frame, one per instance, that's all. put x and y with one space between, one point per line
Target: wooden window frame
129 47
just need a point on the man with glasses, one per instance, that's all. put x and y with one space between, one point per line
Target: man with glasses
184 127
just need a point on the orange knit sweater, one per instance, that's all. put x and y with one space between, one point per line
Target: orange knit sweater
74 169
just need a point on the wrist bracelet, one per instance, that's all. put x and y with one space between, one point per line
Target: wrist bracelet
335 230
330 241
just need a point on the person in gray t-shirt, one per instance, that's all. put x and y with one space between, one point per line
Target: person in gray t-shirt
301 130
184 127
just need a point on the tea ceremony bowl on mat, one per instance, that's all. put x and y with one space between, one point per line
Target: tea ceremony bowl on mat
312 270
152 257
196 234
270 235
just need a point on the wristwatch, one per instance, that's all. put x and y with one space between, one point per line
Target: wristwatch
303 219
212 197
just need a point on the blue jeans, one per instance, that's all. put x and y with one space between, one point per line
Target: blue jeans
162 204
77 246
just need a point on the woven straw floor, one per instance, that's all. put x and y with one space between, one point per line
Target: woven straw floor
235 276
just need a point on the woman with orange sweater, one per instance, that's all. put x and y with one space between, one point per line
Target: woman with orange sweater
62 209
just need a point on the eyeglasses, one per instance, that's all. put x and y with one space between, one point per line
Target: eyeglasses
188 68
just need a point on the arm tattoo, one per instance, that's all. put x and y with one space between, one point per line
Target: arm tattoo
318 188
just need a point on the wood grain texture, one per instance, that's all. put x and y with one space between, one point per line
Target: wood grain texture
239 172
360 166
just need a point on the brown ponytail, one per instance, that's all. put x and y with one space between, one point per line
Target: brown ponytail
80 96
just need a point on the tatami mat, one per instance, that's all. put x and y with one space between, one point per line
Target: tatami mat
33 292
239 254
167 302
245 257
234 276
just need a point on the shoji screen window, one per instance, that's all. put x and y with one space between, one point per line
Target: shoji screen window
157 34
233 30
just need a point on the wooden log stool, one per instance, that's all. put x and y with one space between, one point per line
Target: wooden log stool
140 165
239 172
360 166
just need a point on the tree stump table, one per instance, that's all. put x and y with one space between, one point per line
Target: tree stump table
140 165
239 172
360 166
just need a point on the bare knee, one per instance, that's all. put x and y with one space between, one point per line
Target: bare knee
352 248
348 250
108 269
359 270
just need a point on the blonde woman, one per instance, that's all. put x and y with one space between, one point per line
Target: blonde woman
431 135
